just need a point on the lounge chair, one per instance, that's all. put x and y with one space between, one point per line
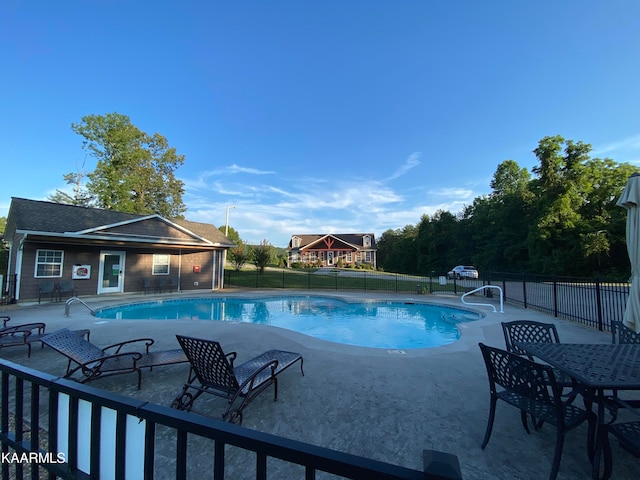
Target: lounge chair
87 361
27 333
212 371
21 335
532 388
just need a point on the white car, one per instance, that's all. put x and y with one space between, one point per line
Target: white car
463 271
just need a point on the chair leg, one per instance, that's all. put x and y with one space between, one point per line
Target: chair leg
525 424
555 466
492 415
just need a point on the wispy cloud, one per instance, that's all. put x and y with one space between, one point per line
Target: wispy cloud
627 148
412 161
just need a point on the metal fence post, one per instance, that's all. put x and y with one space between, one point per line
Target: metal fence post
555 296
524 290
599 305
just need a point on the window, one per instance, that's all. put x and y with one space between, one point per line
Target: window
295 242
367 257
349 257
49 263
161 264
366 241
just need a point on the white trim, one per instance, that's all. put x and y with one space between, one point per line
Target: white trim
127 238
120 287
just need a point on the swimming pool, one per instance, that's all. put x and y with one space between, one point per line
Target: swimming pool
391 325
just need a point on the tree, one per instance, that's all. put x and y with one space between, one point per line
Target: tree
261 255
81 196
134 171
238 256
232 234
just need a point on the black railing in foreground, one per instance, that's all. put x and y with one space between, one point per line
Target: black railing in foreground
592 302
51 427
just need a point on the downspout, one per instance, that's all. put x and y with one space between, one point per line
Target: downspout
179 268
18 269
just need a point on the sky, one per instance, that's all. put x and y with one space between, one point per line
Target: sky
313 117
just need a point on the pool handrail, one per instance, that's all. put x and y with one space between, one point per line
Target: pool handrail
74 300
485 304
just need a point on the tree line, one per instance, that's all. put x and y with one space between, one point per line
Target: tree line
561 218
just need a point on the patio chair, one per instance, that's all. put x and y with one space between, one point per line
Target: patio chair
87 362
212 371
532 388
627 432
46 288
528 331
66 289
161 285
620 333
145 285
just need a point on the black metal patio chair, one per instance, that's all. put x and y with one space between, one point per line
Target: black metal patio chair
212 371
66 289
529 331
532 388
620 333
46 288
87 362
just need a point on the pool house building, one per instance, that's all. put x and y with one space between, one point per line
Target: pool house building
57 249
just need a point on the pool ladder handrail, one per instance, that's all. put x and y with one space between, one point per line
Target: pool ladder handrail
485 304
74 300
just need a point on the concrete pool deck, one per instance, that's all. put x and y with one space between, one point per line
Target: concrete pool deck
384 405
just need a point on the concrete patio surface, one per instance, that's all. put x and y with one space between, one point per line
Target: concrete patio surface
384 405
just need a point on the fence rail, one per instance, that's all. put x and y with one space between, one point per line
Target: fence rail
51 427
592 302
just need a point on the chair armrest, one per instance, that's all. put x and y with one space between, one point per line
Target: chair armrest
31 327
96 365
15 333
273 364
231 357
118 346
5 319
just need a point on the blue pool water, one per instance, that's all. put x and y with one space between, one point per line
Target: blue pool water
370 324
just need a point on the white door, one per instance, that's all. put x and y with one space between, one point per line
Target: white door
111 274
329 258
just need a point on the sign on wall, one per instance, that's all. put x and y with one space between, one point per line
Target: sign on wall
81 272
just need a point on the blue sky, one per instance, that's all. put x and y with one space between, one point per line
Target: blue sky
318 116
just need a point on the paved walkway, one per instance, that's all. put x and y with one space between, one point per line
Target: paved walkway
369 402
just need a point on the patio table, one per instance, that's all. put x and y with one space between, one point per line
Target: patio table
598 367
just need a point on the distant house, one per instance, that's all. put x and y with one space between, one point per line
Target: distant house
103 251
332 249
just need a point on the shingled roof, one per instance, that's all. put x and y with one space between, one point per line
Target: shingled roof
47 217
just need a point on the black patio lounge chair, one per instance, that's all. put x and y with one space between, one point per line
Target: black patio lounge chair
27 334
212 371
87 361
532 388
17 335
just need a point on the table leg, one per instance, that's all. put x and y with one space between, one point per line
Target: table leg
600 453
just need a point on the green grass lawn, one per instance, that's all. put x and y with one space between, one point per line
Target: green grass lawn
365 280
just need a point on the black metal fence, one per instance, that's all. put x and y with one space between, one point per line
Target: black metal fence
591 302
51 427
